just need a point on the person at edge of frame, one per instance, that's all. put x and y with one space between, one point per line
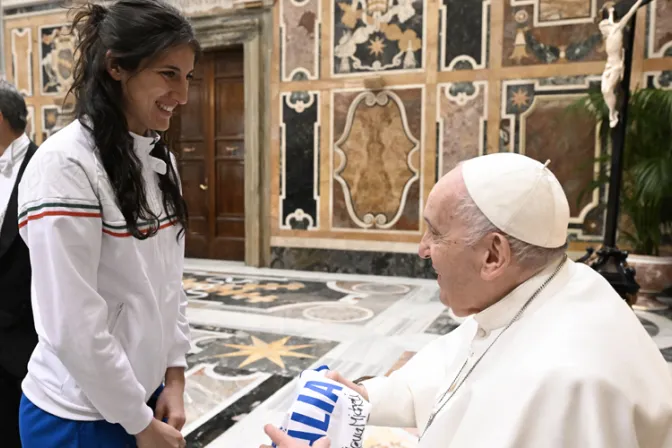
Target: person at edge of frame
102 213
17 330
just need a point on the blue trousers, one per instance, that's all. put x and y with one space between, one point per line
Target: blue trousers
40 429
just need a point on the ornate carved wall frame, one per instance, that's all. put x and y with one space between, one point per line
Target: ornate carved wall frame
255 31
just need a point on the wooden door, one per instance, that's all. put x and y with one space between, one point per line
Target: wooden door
208 136
188 137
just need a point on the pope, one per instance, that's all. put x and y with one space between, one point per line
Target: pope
549 354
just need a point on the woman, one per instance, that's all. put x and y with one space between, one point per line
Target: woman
102 214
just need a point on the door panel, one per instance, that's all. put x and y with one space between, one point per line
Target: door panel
208 135
232 149
231 105
197 202
230 63
187 136
229 238
192 114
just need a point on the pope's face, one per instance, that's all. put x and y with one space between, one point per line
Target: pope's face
457 265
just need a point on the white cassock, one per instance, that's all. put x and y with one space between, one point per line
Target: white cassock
577 370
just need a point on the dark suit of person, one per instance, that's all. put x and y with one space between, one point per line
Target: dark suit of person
17 330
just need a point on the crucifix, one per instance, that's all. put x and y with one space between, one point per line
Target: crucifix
618 30
612 32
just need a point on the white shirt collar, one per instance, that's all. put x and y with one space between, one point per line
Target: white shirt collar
143 146
500 313
14 153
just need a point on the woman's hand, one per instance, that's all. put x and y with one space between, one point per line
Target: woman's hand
282 440
170 404
160 435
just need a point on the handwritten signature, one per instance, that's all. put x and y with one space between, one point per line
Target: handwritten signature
358 420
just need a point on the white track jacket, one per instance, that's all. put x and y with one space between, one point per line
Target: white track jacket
109 309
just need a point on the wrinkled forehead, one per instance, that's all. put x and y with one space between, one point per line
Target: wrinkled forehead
444 198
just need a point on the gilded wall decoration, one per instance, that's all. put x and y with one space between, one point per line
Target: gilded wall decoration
299 37
376 159
49 121
57 56
22 59
536 120
377 36
462 111
551 31
659 30
299 159
464 34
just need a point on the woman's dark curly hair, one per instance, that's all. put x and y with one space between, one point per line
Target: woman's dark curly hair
133 31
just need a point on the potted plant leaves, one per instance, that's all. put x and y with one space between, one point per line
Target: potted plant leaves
645 225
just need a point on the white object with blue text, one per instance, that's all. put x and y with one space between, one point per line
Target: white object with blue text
323 407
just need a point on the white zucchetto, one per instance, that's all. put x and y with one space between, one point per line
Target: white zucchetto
520 196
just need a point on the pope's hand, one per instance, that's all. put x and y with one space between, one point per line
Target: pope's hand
360 389
282 440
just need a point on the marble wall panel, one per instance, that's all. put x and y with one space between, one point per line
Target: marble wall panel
49 120
30 129
464 34
658 80
57 56
300 39
376 159
299 159
196 8
462 122
538 123
659 29
377 36
551 31
22 59
554 10
352 262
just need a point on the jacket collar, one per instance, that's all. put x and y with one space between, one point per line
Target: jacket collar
143 146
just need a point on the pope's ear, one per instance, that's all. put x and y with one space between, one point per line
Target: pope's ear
497 257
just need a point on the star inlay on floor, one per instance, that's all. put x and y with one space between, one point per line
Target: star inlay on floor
273 351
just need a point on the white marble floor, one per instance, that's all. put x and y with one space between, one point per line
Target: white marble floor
255 330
